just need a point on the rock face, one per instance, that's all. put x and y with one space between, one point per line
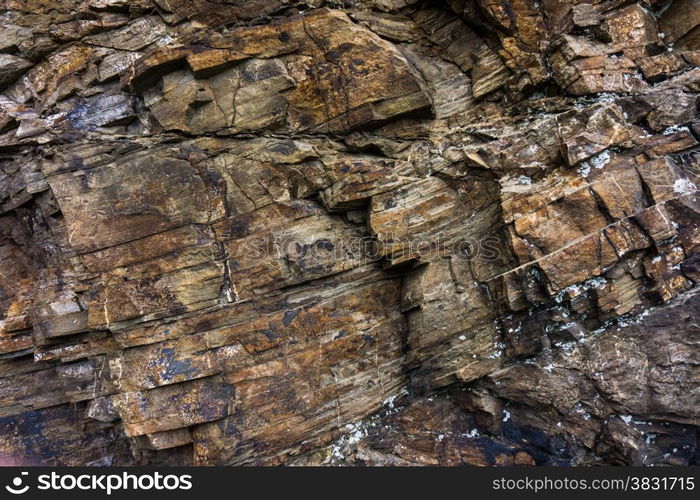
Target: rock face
364 232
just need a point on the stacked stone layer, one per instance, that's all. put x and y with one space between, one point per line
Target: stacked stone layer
380 232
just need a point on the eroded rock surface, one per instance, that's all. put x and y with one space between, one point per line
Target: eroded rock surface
367 232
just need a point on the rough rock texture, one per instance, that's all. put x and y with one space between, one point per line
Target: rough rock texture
376 232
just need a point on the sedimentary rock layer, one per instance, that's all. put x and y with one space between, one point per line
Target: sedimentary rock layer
378 232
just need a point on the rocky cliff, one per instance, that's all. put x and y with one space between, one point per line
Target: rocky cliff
371 232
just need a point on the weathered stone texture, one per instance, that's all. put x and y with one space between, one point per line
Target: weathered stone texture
389 232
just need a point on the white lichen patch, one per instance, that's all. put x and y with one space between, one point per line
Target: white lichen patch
683 186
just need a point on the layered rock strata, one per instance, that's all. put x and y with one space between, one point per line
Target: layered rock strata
375 232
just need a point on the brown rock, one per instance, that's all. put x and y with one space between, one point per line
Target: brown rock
400 233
